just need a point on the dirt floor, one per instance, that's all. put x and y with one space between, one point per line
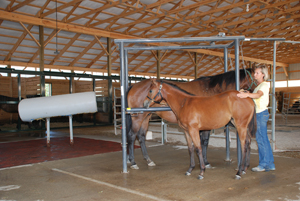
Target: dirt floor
287 134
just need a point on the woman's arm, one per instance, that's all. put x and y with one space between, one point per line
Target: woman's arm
250 95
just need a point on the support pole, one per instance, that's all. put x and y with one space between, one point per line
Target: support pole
110 107
237 81
158 64
273 98
71 129
48 131
41 59
227 127
70 116
71 84
196 66
9 66
123 109
94 89
20 98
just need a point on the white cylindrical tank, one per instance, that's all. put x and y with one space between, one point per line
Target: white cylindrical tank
60 105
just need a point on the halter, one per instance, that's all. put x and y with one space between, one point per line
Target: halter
253 82
158 93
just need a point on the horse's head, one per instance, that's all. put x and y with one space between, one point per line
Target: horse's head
154 94
247 81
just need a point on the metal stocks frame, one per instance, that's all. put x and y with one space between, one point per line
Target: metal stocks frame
234 42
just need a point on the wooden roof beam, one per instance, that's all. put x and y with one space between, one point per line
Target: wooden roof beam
24 3
90 31
71 3
60 25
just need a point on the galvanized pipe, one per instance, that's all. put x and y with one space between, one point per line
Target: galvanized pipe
123 114
227 127
183 39
273 97
177 47
150 109
237 86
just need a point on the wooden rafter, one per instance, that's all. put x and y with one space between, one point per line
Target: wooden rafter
91 20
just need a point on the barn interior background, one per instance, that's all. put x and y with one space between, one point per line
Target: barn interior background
77 37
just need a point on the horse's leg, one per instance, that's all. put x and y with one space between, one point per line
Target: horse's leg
142 139
242 131
131 136
191 152
204 137
194 134
248 149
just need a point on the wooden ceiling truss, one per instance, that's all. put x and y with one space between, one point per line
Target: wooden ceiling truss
83 26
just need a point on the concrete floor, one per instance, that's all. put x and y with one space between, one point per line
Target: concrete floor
99 177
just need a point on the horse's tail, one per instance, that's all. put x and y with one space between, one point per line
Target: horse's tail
128 116
252 126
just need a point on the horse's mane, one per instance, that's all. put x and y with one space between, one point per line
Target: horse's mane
176 87
224 78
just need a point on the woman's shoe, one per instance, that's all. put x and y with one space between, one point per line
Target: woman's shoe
258 169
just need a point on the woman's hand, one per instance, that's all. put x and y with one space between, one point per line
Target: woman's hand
243 94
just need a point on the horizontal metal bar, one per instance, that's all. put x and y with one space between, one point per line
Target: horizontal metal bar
61 74
172 40
177 47
290 41
231 45
9 102
151 109
264 39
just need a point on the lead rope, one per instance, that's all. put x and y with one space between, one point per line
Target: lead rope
246 71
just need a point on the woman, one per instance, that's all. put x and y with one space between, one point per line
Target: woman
260 96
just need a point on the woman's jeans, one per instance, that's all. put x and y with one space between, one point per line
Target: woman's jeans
266 159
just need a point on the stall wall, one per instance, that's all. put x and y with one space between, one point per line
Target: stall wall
31 86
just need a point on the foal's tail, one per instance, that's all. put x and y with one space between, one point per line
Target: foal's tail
252 126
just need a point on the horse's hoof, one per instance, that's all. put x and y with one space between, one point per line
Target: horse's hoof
238 177
243 172
208 166
200 177
151 164
134 167
187 173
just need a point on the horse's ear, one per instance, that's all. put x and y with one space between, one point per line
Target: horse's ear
153 81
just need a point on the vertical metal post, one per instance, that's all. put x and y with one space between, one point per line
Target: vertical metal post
110 106
237 81
41 59
71 85
273 98
70 116
158 64
126 71
196 66
20 98
71 129
163 132
94 89
227 127
48 131
123 108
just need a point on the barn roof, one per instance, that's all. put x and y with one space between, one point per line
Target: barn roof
79 29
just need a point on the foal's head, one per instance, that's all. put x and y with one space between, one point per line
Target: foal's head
154 94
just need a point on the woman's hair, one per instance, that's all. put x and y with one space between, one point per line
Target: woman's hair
264 70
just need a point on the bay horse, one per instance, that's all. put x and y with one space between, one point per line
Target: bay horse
196 113
137 124
13 107
10 108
